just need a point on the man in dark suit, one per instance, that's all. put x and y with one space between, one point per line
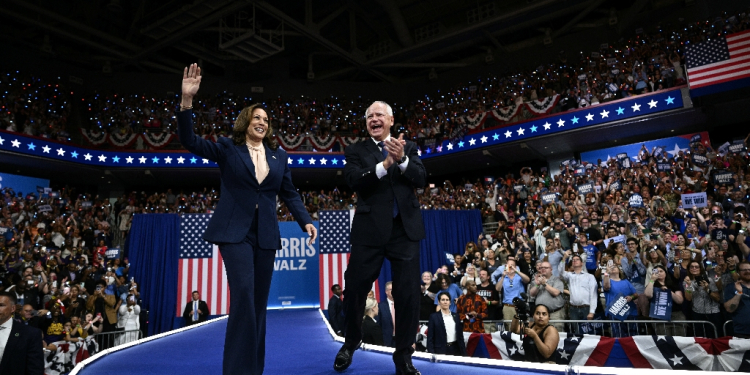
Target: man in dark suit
336 310
196 311
386 320
384 172
20 345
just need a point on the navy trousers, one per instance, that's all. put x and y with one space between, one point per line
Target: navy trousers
249 271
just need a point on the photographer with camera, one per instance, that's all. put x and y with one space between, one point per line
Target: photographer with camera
513 284
540 339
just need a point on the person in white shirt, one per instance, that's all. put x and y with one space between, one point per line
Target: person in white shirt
444 330
20 345
583 291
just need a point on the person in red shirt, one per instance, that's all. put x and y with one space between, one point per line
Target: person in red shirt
472 309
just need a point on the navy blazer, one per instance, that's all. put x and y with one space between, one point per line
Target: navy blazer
23 353
240 190
373 218
386 323
437 337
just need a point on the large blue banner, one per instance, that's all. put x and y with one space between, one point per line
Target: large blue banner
22 183
295 276
671 146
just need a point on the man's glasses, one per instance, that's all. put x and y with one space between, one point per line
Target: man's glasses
745 270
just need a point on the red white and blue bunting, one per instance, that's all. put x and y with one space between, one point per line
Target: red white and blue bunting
505 113
543 106
323 143
290 142
348 141
157 141
473 122
122 141
93 137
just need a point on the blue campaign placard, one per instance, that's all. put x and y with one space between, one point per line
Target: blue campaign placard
636 200
661 305
620 308
585 188
295 280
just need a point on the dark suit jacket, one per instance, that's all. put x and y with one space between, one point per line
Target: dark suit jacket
240 191
371 332
336 314
386 323
373 219
437 338
23 353
202 306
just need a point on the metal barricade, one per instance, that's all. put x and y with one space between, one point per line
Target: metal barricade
616 328
107 340
724 327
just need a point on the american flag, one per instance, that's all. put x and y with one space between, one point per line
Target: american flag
719 60
335 248
200 267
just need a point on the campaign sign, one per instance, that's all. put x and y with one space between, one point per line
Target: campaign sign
617 185
700 160
664 167
621 156
549 198
737 147
295 281
661 305
620 239
518 187
579 171
624 163
434 191
695 199
695 139
44 208
636 200
86 204
620 308
585 188
723 177
112 253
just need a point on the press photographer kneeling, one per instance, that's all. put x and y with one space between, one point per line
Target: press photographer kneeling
540 339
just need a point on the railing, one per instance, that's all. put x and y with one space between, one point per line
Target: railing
108 340
724 327
616 328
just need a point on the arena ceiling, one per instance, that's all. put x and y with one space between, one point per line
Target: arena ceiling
343 40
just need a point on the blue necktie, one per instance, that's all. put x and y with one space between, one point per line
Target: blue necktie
383 151
195 311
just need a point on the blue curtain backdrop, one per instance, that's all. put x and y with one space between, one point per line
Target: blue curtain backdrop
447 232
154 244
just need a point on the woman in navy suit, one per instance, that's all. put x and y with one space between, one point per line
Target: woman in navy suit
444 330
254 172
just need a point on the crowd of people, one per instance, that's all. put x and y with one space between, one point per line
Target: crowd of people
650 60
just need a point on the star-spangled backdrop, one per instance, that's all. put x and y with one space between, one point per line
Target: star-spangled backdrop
559 122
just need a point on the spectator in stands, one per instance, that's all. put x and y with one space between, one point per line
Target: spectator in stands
511 284
445 333
487 291
129 321
583 291
615 288
547 290
102 303
53 327
663 295
737 302
371 331
336 310
472 309
446 285
701 290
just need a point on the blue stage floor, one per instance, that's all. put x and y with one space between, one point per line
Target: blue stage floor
298 342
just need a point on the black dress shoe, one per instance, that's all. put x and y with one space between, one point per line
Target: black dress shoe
407 369
343 358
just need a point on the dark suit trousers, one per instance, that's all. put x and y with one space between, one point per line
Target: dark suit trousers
364 267
249 271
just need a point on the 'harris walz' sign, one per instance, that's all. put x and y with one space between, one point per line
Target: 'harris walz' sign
663 167
700 160
737 147
723 177
549 198
585 188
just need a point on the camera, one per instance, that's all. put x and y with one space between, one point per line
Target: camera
522 307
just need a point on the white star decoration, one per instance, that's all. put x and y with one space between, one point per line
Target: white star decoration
289 161
508 134
46 149
87 156
168 160
205 161
604 114
636 107
472 142
676 360
560 123
520 131
1 141
102 158
652 103
547 125
589 117
564 355
312 161
676 150
142 159
129 160
16 143
60 152
450 146
180 160
323 161
484 139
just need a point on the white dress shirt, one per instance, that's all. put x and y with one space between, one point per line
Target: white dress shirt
450 327
4 335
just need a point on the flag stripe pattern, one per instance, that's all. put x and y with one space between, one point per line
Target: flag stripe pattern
719 60
335 249
200 267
